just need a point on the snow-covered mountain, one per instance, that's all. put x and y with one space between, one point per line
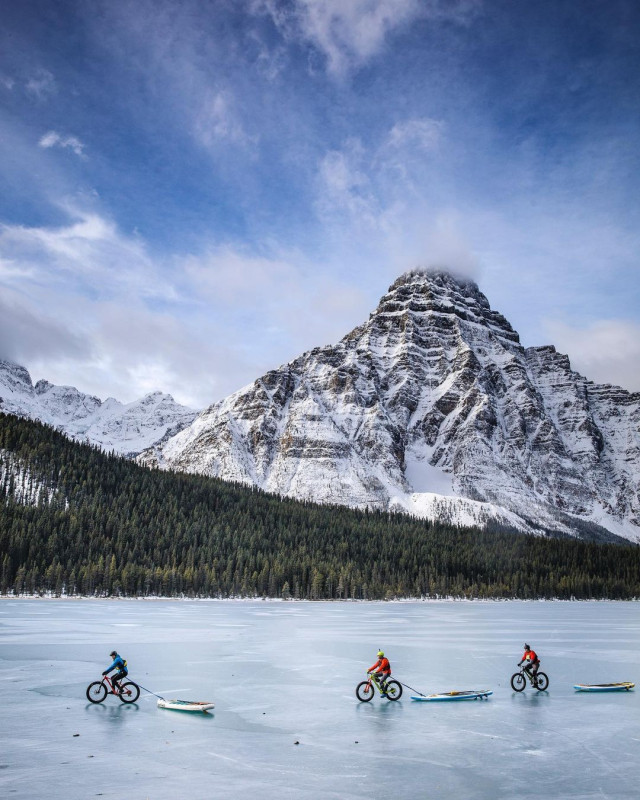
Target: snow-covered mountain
125 428
432 407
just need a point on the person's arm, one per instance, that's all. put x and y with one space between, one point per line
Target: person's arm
113 666
377 664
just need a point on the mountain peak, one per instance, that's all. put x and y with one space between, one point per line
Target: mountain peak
436 277
432 406
429 294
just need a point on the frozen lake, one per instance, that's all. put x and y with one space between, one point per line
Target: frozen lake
286 672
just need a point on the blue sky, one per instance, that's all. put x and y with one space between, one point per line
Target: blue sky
194 193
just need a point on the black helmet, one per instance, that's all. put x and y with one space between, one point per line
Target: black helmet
113 654
526 647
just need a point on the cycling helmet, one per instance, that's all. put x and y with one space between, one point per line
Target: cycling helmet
527 647
113 654
380 654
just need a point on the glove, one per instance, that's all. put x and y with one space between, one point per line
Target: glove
105 672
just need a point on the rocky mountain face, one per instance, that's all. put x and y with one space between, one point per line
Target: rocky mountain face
125 428
431 407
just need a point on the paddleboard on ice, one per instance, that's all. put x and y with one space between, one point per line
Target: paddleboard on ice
185 705
471 694
625 686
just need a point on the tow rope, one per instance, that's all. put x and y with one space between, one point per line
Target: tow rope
150 692
406 686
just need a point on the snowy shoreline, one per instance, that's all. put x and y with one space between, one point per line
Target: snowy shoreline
449 599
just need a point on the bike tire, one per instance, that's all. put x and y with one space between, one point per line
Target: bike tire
129 692
393 690
96 692
365 691
518 682
542 681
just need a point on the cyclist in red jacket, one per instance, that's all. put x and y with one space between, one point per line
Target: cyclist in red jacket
533 662
381 670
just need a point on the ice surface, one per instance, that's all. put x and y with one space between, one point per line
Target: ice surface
281 673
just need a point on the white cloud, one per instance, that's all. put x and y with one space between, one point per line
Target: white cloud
219 121
230 275
276 305
86 305
607 351
90 307
381 204
54 139
376 186
42 84
27 332
426 134
349 33
344 186
89 254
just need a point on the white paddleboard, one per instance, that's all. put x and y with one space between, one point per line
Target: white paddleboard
472 694
185 705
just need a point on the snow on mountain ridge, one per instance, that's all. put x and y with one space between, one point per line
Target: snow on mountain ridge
127 428
434 380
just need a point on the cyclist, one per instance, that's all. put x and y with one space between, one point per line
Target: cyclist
121 665
381 670
533 662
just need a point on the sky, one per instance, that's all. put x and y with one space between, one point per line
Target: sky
193 193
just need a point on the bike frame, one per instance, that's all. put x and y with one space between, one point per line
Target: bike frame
528 676
110 684
376 682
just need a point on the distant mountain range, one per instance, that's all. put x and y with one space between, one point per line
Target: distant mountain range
124 428
431 407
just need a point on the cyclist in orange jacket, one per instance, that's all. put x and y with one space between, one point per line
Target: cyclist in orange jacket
381 670
533 662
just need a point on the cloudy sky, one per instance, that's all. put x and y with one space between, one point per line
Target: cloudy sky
195 192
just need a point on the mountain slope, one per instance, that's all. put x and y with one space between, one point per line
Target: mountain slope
431 407
125 428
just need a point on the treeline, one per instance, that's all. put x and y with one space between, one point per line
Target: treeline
74 520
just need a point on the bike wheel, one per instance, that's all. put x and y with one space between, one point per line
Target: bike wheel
393 690
96 692
542 681
364 691
129 692
518 682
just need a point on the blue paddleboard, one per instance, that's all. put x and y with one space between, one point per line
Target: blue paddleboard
472 694
625 686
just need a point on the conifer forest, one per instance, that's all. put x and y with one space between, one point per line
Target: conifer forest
77 521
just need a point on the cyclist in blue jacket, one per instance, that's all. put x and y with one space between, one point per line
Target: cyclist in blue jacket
121 665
